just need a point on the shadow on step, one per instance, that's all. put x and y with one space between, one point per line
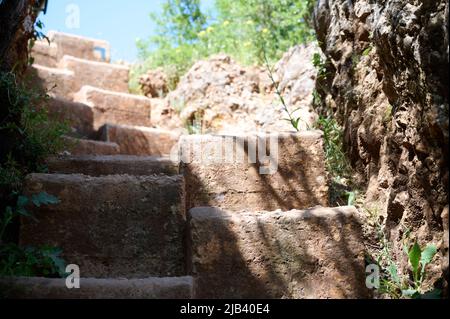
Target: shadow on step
297 254
240 250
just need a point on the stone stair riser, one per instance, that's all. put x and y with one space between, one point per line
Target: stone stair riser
112 165
298 181
111 226
94 288
140 141
315 253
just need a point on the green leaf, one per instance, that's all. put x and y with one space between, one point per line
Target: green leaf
409 293
428 254
54 254
351 198
367 51
393 272
22 201
22 211
414 259
44 199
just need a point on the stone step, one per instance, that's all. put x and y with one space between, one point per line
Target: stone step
45 53
112 165
75 146
230 172
80 47
56 82
139 140
79 116
113 77
315 253
111 226
114 107
97 288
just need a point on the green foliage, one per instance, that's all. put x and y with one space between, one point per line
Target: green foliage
37 34
336 159
28 137
320 65
294 121
367 51
351 197
196 125
244 29
30 261
418 259
395 284
387 114
398 286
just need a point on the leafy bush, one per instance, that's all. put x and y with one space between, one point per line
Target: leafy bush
244 29
30 261
28 137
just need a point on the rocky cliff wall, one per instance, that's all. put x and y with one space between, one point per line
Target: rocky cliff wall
386 81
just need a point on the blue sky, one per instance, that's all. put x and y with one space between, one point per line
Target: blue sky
117 21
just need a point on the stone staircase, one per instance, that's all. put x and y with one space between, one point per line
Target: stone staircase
142 225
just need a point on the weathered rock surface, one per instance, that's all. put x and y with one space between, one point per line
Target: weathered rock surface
79 116
115 107
241 176
94 288
315 253
111 226
219 96
154 83
113 77
56 82
139 140
45 53
75 146
80 47
387 83
94 165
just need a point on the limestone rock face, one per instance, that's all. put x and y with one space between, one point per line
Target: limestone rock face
387 83
219 96
154 84
315 253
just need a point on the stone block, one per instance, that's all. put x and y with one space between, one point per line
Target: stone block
115 107
138 140
242 177
111 226
315 253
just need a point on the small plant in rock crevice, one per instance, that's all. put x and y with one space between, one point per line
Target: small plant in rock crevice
294 121
393 283
320 65
336 159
